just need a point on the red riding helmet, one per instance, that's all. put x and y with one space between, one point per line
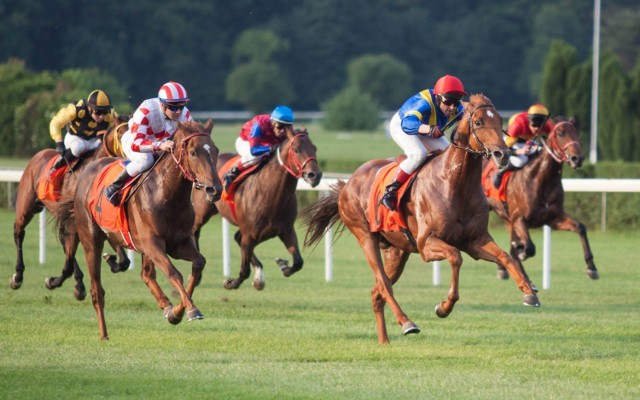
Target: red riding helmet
450 87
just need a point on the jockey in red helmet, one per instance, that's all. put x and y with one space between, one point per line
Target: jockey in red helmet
417 128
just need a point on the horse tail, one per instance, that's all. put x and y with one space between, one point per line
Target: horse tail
321 215
65 217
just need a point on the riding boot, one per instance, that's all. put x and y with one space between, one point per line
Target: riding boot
66 158
390 196
497 177
112 192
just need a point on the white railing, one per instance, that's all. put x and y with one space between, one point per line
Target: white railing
603 186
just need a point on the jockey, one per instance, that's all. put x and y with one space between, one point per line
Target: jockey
150 131
257 138
83 121
523 128
418 128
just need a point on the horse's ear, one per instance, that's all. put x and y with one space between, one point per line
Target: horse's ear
574 121
208 126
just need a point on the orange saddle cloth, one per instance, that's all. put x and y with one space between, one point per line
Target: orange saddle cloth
228 196
487 183
380 217
50 187
108 216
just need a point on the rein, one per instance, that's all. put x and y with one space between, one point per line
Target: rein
553 147
188 175
291 158
484 151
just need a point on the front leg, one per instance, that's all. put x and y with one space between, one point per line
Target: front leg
566 223
437 249
290 241
521 240
247 246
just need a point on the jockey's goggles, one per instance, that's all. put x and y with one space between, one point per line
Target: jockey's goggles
174 106
100 112
450 102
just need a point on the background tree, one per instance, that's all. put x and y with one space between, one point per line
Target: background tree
557 64
578 100
612 121
351 109
383 77
634 112
257 82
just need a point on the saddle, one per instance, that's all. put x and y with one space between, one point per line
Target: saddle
380 217
108 216
487 183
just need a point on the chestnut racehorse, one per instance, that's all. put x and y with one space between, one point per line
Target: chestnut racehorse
446 212
266 205
28 204
160 216
535 196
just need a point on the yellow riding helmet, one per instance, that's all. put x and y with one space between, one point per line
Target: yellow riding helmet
538 109
99 101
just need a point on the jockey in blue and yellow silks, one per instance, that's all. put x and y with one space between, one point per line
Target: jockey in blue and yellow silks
417 128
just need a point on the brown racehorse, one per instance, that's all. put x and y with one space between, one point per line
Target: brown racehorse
535 196
446 212
160 216
28 204
266 205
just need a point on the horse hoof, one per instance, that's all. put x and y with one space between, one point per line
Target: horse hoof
409 327
171 316
228 284
47 283
15 285
503 274
80 294
593 274
531 300
440 313
258 285
282 264
193 314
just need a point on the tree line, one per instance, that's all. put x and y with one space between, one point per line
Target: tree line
330 54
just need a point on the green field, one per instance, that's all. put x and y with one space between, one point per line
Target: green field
304 338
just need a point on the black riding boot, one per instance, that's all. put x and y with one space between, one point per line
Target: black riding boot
112 192
391 195
497 177
230 176
66 158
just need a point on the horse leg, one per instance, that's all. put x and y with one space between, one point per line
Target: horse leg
290 240
148 276
394 263
370 245
71 267
521 240
26 208
246 251
502 271
437 249
162 261
16 279
191 253
566 223
92 251
485 248
119 263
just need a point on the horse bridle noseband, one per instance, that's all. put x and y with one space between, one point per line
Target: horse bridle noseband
553 148
472 129
291 158
188 174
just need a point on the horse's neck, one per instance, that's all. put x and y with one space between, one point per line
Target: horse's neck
169 180
544 171
461 168
279 178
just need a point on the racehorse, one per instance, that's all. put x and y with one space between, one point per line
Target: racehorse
264 205
160 219
534 196
28 204
445 213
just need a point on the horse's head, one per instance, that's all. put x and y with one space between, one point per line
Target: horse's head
297 155
480 130
197 155
563 143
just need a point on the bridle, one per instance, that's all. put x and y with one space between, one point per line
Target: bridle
292 160
553 148
484 151
188 175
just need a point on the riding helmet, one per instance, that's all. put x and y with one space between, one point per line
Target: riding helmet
99 101
173 92
282 114
450 87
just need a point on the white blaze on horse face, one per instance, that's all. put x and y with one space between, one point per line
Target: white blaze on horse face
490 114
207 148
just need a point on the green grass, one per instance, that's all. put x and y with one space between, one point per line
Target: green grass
304 338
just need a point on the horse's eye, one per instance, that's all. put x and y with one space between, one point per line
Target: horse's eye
193 153
478 122
561 133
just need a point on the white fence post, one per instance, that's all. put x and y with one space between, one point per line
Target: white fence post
436 273
226 251
43 236
328 255
546 257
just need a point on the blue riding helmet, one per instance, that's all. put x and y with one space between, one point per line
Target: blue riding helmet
282 114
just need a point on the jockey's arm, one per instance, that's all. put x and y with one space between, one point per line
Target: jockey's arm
62 118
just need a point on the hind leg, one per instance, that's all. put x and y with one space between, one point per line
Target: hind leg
26 208
71 267
246 258
394 263
119 263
